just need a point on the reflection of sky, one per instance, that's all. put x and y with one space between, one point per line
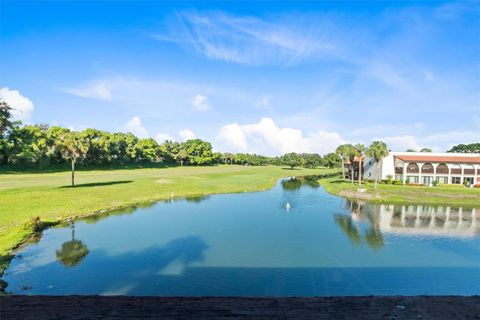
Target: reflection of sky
227 231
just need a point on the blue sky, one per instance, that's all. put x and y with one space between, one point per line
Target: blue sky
267 77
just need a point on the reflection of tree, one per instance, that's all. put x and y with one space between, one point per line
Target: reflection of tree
374 238
72 252
197 199
346 225
291 184
362 212
296 183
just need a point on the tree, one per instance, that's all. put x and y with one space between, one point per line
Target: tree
411 150
466 148
361 151
347 152
199 152
292 160
5 117
72 148
181 156
426 150
311 160
377 150
72 252
228 158
343 152
148 150
331 160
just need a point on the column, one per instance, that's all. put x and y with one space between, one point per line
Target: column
434 171
420 172
405 165
475 176
449 179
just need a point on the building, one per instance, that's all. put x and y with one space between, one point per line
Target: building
425 168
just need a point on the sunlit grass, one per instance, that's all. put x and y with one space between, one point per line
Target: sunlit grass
48 195
445 195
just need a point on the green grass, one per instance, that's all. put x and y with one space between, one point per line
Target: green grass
24 196
445 195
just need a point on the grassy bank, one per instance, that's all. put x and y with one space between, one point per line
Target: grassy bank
24 196
446 195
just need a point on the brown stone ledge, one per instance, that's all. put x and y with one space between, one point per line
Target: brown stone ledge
122 307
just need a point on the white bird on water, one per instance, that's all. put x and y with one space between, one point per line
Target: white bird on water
288 206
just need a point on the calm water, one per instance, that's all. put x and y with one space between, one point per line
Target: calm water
250 244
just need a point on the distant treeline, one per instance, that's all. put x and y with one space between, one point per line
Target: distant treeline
466 148
40 146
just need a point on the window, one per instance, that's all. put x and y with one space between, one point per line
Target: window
456 180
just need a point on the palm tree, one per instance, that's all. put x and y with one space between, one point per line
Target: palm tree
5 116
342 152
361 150
72 252
377 150
72 147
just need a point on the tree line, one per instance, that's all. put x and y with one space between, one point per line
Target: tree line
41 146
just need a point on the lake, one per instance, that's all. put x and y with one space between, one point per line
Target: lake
292 240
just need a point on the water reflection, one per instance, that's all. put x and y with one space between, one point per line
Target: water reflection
429 221
197 199
295 183
72 252
369 222
358 232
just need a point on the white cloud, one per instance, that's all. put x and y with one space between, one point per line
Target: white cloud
401 143
199 103
135 126
187 134
162 137
22 106
99 91
437 142
267 138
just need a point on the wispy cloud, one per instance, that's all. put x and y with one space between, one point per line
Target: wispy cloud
199 103
97 90
251 40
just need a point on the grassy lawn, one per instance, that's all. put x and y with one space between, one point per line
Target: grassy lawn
24 196
445 195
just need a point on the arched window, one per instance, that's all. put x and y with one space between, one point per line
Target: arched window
427 168
412 168
442 168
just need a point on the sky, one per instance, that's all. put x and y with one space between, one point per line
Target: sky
264 77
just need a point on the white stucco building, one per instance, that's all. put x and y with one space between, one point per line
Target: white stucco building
425 167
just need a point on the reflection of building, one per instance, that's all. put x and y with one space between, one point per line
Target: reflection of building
424 168
429 221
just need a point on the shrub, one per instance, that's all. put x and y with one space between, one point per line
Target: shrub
35 225
416 184
397 182
435 183
476 186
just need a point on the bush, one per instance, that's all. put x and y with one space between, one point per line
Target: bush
35 225
476 186
416 184
397 182
435 183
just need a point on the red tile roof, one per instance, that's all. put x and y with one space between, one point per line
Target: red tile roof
432 158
